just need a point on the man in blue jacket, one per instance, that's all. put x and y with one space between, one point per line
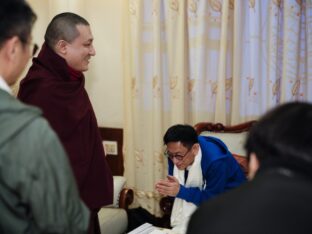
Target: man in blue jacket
199 169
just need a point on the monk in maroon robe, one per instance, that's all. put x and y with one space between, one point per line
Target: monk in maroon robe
55 83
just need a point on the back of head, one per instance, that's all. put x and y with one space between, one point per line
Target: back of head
16 19
283 136
63 27
186 134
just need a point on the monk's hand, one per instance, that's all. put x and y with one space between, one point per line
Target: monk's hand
168 187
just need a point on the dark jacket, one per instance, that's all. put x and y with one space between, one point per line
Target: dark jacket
66 105
278 200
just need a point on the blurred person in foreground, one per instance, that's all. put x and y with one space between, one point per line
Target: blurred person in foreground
38 193
55 83
278 199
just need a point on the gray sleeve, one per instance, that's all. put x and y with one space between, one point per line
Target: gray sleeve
52 192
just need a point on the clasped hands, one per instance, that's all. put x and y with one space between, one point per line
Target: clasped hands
168 187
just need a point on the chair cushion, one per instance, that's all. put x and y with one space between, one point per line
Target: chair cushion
119 183
113 220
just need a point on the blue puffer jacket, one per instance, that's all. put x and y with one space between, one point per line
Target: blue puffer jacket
221 172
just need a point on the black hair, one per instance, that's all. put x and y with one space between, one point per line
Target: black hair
283 135
186 134
63 27
16 19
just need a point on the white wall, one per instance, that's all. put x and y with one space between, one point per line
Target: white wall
104 81
105 77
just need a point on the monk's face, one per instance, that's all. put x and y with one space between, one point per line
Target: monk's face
80 50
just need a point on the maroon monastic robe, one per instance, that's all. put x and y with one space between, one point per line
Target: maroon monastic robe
66 105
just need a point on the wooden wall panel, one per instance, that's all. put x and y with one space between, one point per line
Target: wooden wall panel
115 162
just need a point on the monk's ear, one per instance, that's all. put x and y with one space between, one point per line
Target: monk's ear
61 47
253 166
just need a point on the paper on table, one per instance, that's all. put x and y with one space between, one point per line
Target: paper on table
145 228
148 228
162 231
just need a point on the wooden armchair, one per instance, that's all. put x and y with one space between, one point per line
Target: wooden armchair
233 136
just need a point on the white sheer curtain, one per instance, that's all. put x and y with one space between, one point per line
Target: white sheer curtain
188 61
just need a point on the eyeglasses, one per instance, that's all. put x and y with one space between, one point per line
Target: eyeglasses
176 156
33 47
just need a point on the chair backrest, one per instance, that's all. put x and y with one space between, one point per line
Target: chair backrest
233 136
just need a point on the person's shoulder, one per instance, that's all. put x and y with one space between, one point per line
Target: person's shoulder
41 128
42 142
212 141
24 129
39 78
40 75
29 118
213 147
17 110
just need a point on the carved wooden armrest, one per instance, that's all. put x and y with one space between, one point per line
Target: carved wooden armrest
126 198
